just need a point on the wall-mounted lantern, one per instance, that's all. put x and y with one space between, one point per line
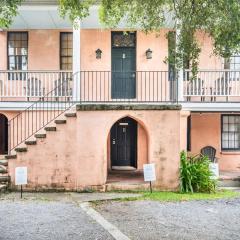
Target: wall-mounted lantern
98 53
149 54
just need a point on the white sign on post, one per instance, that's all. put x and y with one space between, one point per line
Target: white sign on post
20 175
149 172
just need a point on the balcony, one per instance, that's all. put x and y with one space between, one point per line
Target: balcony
34 85
212 86
160 87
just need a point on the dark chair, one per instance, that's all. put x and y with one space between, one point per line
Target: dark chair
34 88
210 152
62 88
196 88
222 88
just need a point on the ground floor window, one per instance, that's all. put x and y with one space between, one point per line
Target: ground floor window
230 132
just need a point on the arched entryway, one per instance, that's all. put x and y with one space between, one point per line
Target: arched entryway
3 134
127 151
123 138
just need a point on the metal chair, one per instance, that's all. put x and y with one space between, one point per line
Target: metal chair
222 88
34 88
196 88
210 152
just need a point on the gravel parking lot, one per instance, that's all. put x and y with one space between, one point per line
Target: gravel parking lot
60 217
26 220
194 220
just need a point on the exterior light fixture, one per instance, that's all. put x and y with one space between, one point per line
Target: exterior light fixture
98 53
149 54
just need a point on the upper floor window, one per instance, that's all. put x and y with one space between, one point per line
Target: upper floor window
230 132
66 49
17 50
232 63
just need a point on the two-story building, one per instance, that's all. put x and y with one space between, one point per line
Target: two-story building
84 106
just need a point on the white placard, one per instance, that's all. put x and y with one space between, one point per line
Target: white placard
214 168
149 172
20 175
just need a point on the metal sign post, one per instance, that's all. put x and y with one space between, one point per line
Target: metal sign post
149 174
21 177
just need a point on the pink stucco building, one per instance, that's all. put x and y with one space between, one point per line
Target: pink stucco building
79 105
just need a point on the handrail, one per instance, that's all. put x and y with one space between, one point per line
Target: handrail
35 117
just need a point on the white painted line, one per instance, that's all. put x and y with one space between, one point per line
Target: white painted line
115 232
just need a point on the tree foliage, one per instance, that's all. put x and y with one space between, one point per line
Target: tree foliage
220 19
8 9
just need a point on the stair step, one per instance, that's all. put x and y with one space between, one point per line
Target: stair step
4 179
70 114
3 162
3 169
50 129
30 142
13 156
21 149
60 121
40 135
3 187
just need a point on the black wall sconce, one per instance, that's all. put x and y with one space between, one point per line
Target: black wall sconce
149 54
98 53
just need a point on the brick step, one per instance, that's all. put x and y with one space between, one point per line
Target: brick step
70 114
3 187
31 142
60 121
229 182
4 162
4 179
21 149
126 186
3 169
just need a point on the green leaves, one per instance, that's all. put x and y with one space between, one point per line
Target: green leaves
195 175
75 9
8 9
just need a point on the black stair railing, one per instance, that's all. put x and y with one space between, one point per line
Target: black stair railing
43 111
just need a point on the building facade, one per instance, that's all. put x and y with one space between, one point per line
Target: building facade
78 104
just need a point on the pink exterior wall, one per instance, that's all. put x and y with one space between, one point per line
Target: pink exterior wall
206 130
207 60
75 156
3 50
43 49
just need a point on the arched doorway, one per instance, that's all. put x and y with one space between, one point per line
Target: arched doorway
123 137
3 134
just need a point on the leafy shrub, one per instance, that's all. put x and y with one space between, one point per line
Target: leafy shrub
195 175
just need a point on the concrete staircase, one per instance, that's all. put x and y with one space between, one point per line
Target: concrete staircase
5 178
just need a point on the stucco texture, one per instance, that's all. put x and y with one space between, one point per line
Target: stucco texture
75 156
206 131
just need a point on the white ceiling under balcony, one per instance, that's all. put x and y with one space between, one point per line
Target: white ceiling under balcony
47 17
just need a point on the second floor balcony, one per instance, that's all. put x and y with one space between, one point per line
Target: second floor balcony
158 87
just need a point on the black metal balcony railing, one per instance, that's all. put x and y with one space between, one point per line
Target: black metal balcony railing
138 87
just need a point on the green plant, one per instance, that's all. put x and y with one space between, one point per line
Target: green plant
195 175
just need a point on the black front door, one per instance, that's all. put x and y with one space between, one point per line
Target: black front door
124 143
123 65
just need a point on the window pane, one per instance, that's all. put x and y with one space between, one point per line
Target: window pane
17 50
66 51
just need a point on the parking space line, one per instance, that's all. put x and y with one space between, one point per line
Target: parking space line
114 231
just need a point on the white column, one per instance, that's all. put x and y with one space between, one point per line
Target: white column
76 60
179 70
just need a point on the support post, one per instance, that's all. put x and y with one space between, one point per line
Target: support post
76 60
180 70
